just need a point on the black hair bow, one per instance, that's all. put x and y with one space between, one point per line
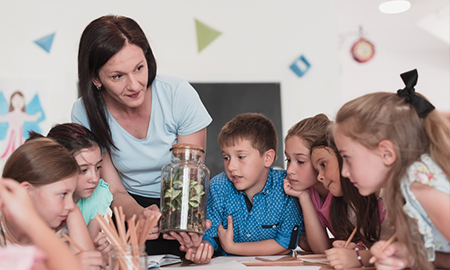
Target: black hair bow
422 106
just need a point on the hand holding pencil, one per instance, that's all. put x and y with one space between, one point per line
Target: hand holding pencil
390 254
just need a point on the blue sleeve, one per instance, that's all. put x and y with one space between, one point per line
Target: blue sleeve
189 110
79 115
215 213
291 225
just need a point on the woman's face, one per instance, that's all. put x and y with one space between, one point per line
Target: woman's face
326 164
89 160
299 169
124 78
54 201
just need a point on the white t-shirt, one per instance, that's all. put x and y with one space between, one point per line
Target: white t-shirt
176 110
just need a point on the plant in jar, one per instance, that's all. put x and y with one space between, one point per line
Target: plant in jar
184 190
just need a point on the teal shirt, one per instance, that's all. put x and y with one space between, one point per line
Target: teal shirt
98 203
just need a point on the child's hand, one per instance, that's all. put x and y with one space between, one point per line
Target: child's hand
102 244
91 260
342 258
187 240
341 244
200 255
394 256
16 203
226 235
290 191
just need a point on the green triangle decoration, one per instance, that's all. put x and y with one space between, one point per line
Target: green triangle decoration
205 35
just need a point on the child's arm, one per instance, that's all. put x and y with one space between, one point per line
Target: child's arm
343 258
78 231
439 213
316 234
16 204
259 248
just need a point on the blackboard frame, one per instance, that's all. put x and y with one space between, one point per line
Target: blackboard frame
226 100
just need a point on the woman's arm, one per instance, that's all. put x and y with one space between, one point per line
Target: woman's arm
198 138
120 195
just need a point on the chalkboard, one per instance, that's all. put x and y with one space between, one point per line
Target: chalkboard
226 100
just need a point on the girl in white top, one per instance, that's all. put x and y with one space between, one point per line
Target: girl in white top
398 141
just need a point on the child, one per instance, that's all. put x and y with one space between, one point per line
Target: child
250 213
16 205
49 173
398 141
348 209
92 194
301 182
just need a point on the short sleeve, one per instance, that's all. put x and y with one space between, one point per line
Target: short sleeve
98 203
189 110
428 173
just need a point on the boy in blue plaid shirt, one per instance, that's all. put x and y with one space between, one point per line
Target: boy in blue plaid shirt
250 213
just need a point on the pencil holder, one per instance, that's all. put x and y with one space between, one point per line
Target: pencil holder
120 260
184 189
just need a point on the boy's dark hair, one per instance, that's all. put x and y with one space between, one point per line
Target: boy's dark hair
255 127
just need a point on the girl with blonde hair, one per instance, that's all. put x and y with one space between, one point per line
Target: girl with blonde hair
399 142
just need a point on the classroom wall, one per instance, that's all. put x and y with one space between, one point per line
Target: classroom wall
259 40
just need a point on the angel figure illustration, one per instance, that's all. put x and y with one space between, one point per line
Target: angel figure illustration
16 120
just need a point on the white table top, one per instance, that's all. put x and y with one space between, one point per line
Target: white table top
234 262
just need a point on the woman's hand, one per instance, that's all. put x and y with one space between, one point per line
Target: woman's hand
187 240
200 255
152 210
394 256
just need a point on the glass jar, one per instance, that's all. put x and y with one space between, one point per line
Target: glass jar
128 261
184 190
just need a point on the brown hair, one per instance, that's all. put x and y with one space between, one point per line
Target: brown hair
255 127
385 116
102 39
310 129
11 107
40 162
365 208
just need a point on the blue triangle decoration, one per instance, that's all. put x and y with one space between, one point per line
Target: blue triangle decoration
46 42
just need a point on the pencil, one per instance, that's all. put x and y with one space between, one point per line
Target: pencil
388 242
350 237
71 241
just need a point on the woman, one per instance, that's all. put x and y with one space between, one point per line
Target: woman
135 115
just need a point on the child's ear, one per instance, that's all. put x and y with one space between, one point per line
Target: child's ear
26 185
269 158
387 151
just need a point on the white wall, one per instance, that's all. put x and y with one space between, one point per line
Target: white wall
260 39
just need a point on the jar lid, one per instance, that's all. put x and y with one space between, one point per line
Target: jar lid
181 147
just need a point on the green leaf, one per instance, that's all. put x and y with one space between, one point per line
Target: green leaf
193 204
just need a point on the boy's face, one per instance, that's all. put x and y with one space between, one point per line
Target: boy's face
245 167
